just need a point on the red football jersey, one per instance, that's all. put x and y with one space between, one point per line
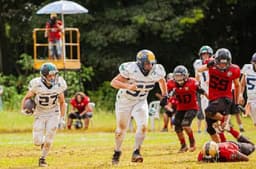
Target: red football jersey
185 95
80 106
54 33
220 82
227 152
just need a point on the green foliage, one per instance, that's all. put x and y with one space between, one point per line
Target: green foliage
26 62
104 97
197 15
10 95
75 80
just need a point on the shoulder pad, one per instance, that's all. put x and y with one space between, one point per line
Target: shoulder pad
62 84
34 83
159 69
197 63
246 68
125 69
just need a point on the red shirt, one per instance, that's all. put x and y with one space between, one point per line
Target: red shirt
227 152
54 32
80 106
185 95
220 82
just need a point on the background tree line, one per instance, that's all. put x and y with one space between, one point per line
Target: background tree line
114 30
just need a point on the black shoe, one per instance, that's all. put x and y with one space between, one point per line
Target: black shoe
42 162
243 139
183 148
116 156
136 156
241 130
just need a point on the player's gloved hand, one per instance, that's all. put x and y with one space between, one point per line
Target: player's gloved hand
211 63
240 108
62 123
26 112
164 101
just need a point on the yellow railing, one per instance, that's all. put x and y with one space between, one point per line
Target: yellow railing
71 49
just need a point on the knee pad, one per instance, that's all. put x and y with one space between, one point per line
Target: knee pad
38 141
210 130
47 145
142 129
119 133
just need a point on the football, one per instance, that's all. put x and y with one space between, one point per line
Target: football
29 106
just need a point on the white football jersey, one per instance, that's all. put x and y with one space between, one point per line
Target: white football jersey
131 71
203 76
46 99
250 79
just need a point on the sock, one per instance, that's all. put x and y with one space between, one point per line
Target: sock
119 140
222 137
234 133
191 138
182 140
222 119
139 138
240 126
45 150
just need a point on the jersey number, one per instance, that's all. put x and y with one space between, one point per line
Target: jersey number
140 93
185 99
48 100
250 84
218 83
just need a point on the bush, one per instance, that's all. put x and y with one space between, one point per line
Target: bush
104 97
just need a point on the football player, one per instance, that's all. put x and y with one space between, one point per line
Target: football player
248 81
134 81
185 90
205 53
222 73
48 93
225 152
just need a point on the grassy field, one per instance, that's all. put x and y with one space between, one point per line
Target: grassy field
94 148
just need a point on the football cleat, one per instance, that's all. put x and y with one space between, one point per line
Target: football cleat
116 157
42 162
164 130
183 148
243 139
136 156
241 129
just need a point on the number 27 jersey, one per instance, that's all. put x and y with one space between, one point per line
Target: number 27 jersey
220 82
46 99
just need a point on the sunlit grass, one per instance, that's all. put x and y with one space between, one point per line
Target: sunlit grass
80 149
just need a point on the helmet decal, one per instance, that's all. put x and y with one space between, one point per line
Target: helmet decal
145 57
205 49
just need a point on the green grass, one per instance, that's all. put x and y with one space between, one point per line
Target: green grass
79 149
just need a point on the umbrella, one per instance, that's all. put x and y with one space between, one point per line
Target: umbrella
62 7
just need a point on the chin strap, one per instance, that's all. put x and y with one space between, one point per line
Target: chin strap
145 73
